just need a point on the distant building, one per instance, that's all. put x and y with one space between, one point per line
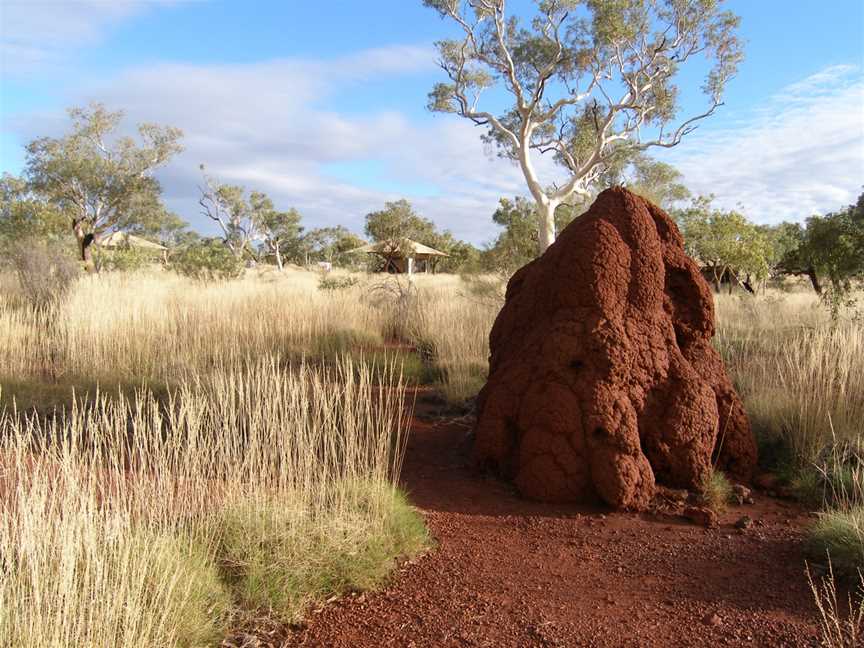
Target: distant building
403 256
126 241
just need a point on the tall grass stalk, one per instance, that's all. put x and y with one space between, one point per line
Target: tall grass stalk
139 523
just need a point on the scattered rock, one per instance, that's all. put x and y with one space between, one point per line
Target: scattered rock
741 494
744 522
712 619
700 515
603 380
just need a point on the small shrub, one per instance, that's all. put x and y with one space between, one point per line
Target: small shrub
716 491
337 283
122 259
396 297
207 260
45 270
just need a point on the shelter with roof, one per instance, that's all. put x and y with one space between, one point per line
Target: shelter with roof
403 256
126 241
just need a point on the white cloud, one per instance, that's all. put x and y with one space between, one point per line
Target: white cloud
800 153
284 127
273 126
39 33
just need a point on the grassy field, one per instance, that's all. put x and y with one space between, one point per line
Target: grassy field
213 453
802 380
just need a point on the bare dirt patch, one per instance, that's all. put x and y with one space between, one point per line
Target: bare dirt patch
511 572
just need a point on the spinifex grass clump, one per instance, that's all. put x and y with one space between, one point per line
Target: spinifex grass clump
716 491
134 523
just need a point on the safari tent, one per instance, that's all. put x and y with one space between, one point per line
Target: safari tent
404 256
125 241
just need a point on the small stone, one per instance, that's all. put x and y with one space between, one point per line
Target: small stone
700 515
744 522
712 619
740 491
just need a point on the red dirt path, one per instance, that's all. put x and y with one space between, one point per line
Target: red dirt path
510 572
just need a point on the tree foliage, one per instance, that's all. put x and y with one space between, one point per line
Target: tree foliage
516 245
728 246
26 215
333 245
398 222
590 81
828 249
207 259
280 230
95 175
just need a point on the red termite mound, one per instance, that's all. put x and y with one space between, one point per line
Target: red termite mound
602 378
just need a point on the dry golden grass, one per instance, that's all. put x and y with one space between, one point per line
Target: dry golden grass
139 523
801 377
275 470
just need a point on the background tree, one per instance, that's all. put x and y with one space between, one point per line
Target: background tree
590 81
517 244
207 259
398 220
333 245
462 257
25 214
656 181
280 230
828 249
728 246
94 175
150 219
227 206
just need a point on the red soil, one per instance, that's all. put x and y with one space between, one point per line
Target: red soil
511 572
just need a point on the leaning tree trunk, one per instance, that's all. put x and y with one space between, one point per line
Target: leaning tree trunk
811 274
278 258
85 242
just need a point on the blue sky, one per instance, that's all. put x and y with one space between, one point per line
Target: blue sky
322 105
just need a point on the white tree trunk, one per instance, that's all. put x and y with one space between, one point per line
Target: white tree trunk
545 225
279 258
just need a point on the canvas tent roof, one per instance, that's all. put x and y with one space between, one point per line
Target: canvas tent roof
118 239
382 247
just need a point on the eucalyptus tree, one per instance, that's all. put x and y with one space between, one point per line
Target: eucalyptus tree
333 245
227 206
726 243
588 81
827 248
95 175
280 230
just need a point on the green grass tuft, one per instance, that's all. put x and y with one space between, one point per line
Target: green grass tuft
840 535
716 491
275 561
